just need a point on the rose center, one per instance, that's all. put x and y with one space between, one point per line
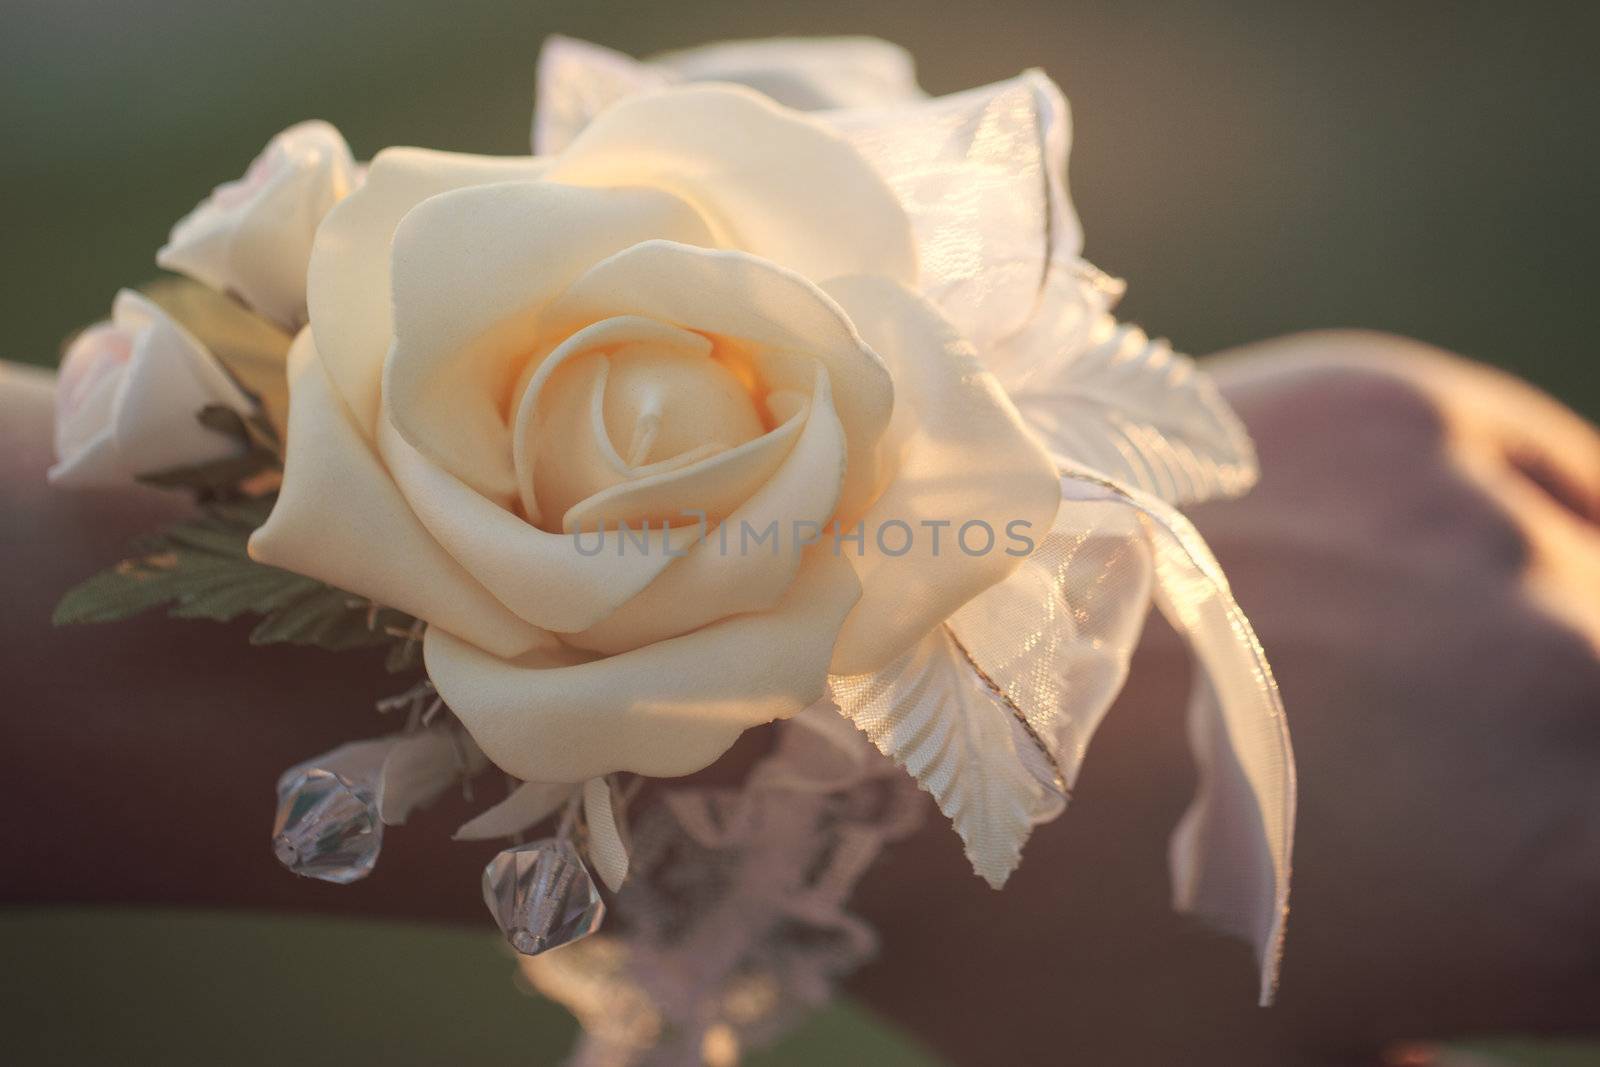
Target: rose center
629 401
660 404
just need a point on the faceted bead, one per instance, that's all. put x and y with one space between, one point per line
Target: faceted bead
327 827
541 896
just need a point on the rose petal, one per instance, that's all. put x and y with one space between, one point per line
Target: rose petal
543 577
170 378
562 450
340 519
773 182
570 455
736 295
347 285
713 487
964 457
730 572
87 384
665 710
87 390
472 270
578 80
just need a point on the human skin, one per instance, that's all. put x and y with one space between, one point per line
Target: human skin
1421 560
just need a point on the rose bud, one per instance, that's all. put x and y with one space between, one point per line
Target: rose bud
128 396
252 237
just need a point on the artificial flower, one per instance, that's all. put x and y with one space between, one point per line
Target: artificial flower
1036 660
702 315
656 434
128 396
252 237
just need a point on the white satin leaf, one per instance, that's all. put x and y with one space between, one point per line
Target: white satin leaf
608 842
420 766
1232 851
1057 635
932 713
1135 411
526 806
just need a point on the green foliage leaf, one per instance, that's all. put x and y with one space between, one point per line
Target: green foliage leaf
200 569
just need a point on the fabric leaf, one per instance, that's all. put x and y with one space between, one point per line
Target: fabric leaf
1131 409
932 713
1057 635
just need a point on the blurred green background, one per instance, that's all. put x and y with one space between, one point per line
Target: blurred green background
144 987
1250 167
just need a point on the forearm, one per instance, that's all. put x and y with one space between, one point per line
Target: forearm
146 754
1442 711
139 758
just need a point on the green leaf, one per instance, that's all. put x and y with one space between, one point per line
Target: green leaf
248 513
322 616
129 588
201 569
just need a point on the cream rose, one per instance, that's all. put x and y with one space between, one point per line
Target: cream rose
128 396
252 236
705 305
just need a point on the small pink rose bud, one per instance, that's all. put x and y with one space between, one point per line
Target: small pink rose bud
128 396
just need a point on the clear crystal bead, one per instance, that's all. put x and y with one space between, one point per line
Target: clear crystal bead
327 827
541 896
